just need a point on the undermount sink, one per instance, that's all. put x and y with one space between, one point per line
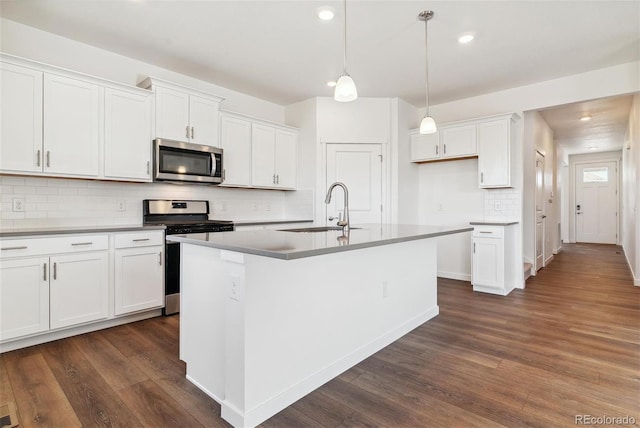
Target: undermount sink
316 229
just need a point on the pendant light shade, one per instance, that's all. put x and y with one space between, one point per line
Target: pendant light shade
428 125
345 90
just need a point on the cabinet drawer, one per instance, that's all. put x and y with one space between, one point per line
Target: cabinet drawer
488 231
139 239
27 247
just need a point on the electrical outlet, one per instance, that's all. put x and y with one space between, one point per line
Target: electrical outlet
497 206
121 205
267 206
223 206
254 206
18 204
440 207
385 289
235 288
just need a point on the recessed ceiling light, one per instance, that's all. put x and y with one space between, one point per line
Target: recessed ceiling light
326 13
331 83
465 38
585 118
593 148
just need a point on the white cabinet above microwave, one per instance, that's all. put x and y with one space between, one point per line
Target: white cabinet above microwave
184 114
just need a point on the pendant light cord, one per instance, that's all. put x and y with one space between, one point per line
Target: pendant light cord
344 40
426 45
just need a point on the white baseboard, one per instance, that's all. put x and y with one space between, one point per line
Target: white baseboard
636 280
259 414
548 260
454 275
74 331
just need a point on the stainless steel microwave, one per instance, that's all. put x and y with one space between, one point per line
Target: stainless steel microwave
178 161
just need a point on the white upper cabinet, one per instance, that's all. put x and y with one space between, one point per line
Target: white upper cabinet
263 147
127 135
63 124
286 159
21 118
71 126
425 147
184 114
458 141
494 153
235 140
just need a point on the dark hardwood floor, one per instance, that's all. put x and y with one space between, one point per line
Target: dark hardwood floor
567 345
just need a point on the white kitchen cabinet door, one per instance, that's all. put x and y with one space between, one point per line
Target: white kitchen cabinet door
71 126
425 147
79 288
203 120
235 139
263 140
127 135
459 141
21 118
139 279
488 262
286 159
172 114
494 158
24 297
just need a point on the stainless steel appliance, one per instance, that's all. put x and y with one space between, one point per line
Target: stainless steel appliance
178 161
179 217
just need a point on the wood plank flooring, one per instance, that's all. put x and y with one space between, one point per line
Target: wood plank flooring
569 344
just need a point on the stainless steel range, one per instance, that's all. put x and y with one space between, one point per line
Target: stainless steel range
179 217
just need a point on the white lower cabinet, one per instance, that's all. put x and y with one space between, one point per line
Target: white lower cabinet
51 284
138 280
24 297
492 259
79 290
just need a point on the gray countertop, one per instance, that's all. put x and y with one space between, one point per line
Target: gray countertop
291 245
492 223
255 222
13 233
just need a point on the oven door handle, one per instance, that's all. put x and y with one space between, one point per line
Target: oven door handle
214 165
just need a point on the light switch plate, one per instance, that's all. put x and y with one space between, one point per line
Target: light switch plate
18 204
497 206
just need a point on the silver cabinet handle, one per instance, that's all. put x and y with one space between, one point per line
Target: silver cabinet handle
148 167
277 178
445 148
44 272
160 258
474 247
187 129
38 158
75 244
48 158
14 248
193 135
482 177
55 271
436 149
224 174
140 239
485 232
273 180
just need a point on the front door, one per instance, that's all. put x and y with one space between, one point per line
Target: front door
596 202
540 222
359 167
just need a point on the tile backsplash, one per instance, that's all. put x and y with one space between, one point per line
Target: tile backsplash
508 202
58 202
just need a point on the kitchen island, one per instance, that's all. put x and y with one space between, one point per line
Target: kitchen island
268 316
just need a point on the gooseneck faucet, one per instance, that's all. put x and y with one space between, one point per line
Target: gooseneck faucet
344 221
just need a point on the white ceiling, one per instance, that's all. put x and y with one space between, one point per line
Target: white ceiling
280 51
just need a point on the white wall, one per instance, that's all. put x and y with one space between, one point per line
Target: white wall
615 156
404 176
630 216
31 43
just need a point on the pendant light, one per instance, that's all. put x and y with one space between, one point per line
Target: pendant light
428 125
345 87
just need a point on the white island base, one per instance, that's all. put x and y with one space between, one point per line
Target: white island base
258 333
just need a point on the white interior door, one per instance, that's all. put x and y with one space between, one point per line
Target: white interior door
540 216
596 202
359 167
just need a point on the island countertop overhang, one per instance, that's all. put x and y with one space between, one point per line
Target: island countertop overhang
284 245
